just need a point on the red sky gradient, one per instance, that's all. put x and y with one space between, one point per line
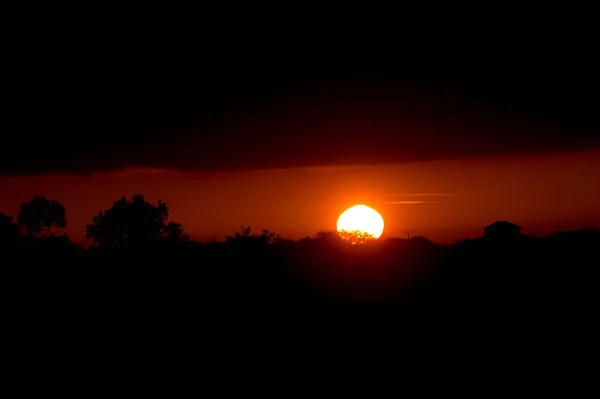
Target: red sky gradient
442 200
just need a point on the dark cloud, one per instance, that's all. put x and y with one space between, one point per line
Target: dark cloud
289 106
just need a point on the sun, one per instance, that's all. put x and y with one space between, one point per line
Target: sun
361 218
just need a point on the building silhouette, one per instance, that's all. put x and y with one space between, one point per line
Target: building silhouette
502 230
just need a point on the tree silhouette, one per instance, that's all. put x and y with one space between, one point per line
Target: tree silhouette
9 231
40 215
355 237
129 224
329 238
266 237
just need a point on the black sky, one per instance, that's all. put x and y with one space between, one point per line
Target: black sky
95 105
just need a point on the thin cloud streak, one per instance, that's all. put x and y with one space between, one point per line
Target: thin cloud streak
426 195
410 202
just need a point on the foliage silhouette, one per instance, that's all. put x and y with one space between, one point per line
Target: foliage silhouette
356 237
39 216
133 224
9 231
265 238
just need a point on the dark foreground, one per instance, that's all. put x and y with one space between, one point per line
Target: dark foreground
254 301
478 279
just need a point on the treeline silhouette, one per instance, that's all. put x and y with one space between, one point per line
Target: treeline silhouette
141 263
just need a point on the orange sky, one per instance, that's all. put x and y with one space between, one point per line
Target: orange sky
542 193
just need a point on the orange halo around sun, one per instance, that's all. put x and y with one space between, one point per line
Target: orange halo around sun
361 218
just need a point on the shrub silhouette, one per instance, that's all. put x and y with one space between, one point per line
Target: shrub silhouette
265 238
130 224
355 237
9 231
39 216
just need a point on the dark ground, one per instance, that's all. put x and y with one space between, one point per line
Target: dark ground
246 306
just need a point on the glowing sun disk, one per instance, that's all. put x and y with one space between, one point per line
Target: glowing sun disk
363 219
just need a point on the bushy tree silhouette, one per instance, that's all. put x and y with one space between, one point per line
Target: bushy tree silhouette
40 215
355 237
266 237
9 231
130 224
342 238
